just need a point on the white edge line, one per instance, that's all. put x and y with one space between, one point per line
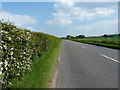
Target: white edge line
55 79
54 83
83 47
110 58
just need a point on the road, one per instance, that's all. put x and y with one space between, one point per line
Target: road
87 66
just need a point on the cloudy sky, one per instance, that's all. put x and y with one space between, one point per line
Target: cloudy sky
63 18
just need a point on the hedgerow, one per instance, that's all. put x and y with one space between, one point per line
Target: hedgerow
19 47
114 45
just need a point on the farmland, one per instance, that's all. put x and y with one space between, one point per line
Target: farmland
111 41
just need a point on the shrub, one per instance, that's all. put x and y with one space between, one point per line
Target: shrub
19 47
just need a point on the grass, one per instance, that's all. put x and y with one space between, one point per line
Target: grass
41 72
113 42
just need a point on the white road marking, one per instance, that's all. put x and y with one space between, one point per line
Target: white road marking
55 79
110 58
83 47
54 83
59 58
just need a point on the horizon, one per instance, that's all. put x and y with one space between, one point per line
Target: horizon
64 18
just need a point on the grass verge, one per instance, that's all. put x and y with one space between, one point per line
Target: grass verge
99 44
41 72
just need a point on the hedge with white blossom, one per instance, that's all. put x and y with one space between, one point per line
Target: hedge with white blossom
18 48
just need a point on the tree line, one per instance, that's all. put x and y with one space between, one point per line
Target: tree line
83 36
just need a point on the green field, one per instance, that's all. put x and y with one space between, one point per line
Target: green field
111 42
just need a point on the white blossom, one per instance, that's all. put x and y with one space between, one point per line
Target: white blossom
9 38
0 72
2 41
12 49
1 63
1 68
11 53
5 46
1 47
5 32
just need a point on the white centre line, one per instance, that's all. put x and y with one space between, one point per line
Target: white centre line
110 58
83 47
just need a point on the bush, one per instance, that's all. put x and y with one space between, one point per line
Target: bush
19 47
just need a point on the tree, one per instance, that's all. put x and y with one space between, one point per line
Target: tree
105 35
80 36
68 37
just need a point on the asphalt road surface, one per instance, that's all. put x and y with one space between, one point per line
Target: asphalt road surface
87 66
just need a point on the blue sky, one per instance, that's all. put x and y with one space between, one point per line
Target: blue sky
63 18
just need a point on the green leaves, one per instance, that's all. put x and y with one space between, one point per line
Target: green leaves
19 47
16 52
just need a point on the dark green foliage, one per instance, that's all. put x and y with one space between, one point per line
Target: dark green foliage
105 35
80 36
68 37
72 37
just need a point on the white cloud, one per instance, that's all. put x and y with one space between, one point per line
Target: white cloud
101 27
67 11
104 23
96 0
82 14
104 11
60 18
67 3
33 29
59 0
17 19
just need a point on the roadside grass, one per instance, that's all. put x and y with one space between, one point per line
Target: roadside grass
40 75
99 43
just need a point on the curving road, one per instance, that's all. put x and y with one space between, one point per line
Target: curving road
87 66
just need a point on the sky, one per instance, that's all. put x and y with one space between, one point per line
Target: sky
63 18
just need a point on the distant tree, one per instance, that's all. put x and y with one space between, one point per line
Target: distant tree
118 35
105 35
80 36
63 37
112 35
72 37
68 37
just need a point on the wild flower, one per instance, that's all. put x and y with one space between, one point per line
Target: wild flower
1 47
5 46
2 41
12 49
1 63
0 72
18 48
11 53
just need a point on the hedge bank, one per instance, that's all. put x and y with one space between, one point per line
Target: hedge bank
19 47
